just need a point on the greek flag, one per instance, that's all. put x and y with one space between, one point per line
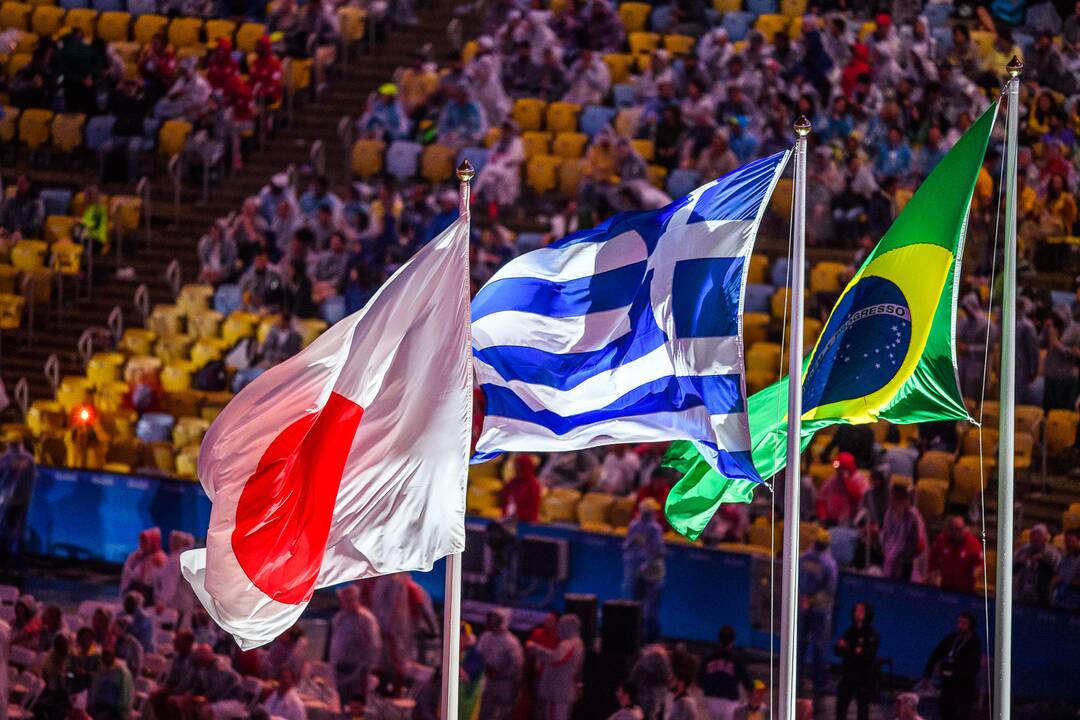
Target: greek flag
628 332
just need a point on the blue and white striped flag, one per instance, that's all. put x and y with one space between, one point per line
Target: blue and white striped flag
628 332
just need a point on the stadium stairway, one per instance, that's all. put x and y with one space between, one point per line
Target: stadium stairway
315 120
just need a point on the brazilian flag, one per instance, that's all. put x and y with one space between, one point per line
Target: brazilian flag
886 352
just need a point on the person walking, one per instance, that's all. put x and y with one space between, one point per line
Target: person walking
955 661
818 577
643 565
857 649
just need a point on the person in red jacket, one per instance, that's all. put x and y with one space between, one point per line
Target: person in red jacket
521 496
841 494
265 72
221 66
955 556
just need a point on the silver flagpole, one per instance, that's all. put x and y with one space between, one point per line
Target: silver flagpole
451 659
1004 588
789 632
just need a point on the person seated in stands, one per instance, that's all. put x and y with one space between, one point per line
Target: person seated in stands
112 690
521 495
955 557
221 66
142 625
324 225
327 269
757 705
143 566
656 490
79 71
95 219
499 181
575 469
127 646
461 122
55 699
283 702
217 254
281 343
188 96
589 78
520 75
839 498
262 285
317 196
23 214
157 67
34 85
27 624
178 680
130 104
626 697
1034 566
85 660
384 117
265 72
619 471
213 684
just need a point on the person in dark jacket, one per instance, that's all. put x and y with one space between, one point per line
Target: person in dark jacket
721 675
857 649
956 661
130 105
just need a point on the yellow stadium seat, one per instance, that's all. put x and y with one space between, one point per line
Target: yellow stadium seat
726 6
34 127
205 350
176 376
936 465
866 29
299 78
11 310
162 457
45 415
173 347
468 51
59 227
622 511
645 148
559 507
83 18
8 123
763 356
15 16
74 390
67 131
1060 430
781 198
626 122
437 163
9 274
595 507
353 23
826 276
562 117
820 472
971 445
140 365
237 326
1029 419
570 177
137 341
679 44
109 399
966 483
173 136
66 258
528 113
217 29
367 157
126 211
759 379
930 498
147 26
778 303
104 368
29 255
570 145
263 330
657 176
187 462
181 403
114 26
758 270
643 43
214 404
481 498
793 8
78 203
536 143
184 32
1023 447
248 35
811 331
16 63
769 25
194 298
47 20
541 173
166 320
619 65
984 43
204 324
309 329
635 15
755 328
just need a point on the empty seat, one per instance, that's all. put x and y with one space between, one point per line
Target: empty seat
594 118
248 35
402 159
67 131
173 136
83 18
147 26
635 15
34 127
367 157
562 117
47 20
541 173
437 163
528 113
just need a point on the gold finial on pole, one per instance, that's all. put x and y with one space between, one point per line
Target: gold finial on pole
802 126
465 173
1015 67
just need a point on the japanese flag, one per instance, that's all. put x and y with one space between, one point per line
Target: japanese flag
348 460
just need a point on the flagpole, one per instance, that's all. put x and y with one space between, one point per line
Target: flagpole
790 569
451 659
1007 419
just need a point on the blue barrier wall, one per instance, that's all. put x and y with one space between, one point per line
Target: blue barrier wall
99 516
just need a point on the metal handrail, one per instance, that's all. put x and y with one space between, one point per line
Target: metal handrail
116 217
293 174
142 301
175 174
317 156
345 135
115 323
85 346
52 371
22 396
142 189
172 276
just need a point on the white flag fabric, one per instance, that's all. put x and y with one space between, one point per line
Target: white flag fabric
347 461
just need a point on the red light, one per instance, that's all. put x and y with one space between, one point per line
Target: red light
83 415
